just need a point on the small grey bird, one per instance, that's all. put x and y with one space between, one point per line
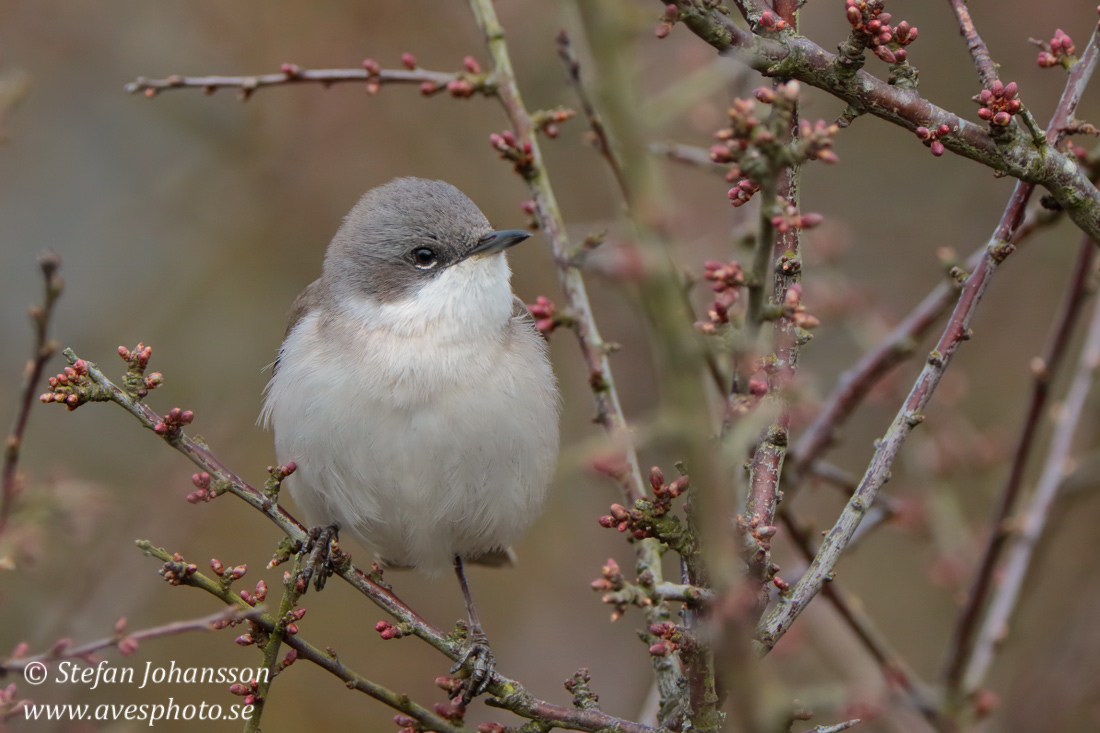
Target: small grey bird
414 392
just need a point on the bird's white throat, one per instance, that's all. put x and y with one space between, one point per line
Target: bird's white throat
468 300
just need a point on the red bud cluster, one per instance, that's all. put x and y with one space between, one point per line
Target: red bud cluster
670 637
769 21
794 311
816 140
668 19
543 309
789 218
388 631
170 425
728 279
1059 51
612 577
246 690
742 192
66 386
177 570
663 493
931 139
547 121
871 29
999 104
510 148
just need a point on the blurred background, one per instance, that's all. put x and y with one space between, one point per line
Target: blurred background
191 222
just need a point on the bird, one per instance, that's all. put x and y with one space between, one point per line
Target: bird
415 395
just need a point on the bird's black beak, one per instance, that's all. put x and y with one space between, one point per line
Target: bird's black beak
499 241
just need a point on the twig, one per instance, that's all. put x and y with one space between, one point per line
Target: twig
689 155
836 728
1034 517
766 466
276 636
792 55
987 70
63 650
1044 371
430 82
44 349
603 143
97 387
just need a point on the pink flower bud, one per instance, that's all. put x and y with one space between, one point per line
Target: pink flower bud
408 60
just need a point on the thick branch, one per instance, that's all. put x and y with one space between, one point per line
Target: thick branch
790 55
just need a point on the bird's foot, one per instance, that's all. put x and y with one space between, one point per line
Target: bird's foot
322 553
479 658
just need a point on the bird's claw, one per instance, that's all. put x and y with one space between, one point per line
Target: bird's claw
320 563
480 660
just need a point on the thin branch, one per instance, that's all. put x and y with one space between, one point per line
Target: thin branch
1044 371
430 82
836 728
122 638
791 55
987 70
1033 519
603 142
44 349
689 155
95 387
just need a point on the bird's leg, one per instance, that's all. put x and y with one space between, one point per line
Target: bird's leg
477 647
320 563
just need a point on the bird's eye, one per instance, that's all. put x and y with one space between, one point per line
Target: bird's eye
424 258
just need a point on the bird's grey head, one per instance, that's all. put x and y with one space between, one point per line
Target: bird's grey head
404 234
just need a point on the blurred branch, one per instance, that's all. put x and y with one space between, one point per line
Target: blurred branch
895 670
462 84
786 54
1034 517
44 349
1044 369
90 385
603 143
689 155
126 641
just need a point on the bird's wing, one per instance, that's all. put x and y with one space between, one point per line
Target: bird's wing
306 301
